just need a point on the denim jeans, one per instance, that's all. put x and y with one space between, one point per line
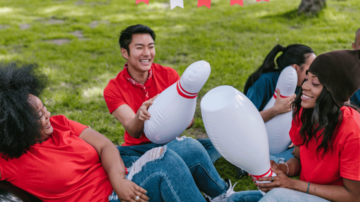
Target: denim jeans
286 155
275 195
130 154
288 195
179 174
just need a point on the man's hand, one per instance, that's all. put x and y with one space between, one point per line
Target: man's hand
283 105
128 191
143 113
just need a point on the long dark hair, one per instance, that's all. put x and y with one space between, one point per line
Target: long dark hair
292 54
19 121
326 116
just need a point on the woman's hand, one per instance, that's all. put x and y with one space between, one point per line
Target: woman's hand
280 180
283 105
128 191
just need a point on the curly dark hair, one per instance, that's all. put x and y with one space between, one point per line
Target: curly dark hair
19 120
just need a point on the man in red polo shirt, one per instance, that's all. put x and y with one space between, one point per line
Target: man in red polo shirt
129 95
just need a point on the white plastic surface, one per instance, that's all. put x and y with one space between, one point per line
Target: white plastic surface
170 112
278 127
236 129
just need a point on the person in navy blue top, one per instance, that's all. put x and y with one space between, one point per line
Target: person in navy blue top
355 99
260 86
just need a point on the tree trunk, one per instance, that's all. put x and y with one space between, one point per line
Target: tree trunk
311 7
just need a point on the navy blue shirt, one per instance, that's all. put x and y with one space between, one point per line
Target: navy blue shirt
355 99
263 89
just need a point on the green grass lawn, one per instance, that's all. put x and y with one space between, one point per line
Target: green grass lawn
75 44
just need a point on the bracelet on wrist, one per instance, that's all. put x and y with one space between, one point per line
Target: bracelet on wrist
287 167
307 191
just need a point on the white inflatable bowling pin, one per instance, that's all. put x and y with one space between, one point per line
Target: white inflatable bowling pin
174 108
278 127
237 130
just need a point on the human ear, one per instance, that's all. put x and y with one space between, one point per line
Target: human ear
296 67
125 53
354 46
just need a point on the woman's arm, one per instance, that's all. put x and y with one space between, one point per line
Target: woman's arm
348 192
114 166
282 105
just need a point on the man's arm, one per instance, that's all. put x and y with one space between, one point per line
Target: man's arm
133 123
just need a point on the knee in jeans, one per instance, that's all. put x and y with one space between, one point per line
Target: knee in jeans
194 147
151 155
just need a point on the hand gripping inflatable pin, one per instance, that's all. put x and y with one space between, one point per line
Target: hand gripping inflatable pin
174 108
278 127
237 130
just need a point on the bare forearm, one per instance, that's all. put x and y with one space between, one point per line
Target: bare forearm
268 114
329 192
294 167
112 163
135 127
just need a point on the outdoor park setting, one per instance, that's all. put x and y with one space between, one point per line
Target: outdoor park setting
75 43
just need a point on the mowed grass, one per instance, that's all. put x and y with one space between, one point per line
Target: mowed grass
75 44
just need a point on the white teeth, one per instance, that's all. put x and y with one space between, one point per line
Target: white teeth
145 61
305 96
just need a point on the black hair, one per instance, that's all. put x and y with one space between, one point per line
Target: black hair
126 35
326 116
19 120
292 54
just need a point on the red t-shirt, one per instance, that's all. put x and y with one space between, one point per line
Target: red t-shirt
62 168
121 91
343 162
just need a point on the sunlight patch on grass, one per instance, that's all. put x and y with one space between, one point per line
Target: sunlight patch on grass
119 17
93 92
53 9
154 5
66 10
6 10
8 57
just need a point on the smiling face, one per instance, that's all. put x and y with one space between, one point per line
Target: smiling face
141 53
44 114
311 89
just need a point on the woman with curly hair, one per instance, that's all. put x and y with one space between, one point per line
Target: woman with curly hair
57 159
326 134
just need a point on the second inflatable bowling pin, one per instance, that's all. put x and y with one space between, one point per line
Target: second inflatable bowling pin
174 108
278 127
236 129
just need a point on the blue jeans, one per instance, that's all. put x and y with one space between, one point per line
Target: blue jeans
288 195
275 195
180 173
130 154
286 155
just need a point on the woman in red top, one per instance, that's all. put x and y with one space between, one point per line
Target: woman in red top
326 135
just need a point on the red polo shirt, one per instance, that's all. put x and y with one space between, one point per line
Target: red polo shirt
121 90
342 162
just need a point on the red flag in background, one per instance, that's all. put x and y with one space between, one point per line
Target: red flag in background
206 3
145 1
233 2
